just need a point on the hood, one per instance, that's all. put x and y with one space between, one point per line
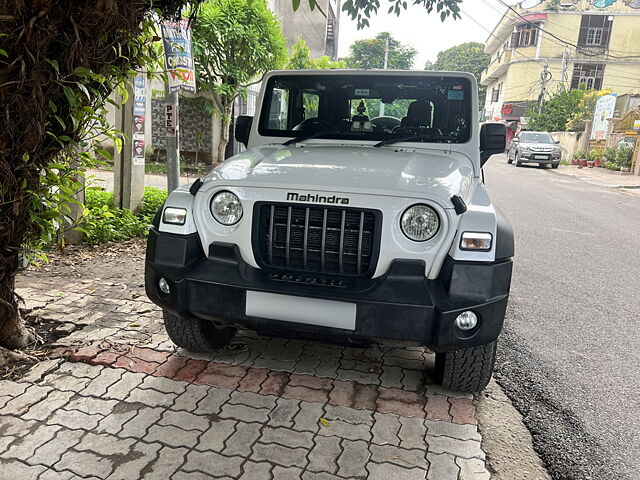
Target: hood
433 174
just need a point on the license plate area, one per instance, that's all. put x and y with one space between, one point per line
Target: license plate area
310 311
541 157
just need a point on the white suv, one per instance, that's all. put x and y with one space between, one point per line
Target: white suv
357 213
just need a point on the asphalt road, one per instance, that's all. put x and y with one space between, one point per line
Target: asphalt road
569 357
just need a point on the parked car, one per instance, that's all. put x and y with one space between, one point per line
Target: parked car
534 147
342 226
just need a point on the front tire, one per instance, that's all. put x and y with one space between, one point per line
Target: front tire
195 334
555 165
468 369
518 162
509 161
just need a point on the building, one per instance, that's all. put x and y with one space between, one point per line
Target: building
320 32
540 46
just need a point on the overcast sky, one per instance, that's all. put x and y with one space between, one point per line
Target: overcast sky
425 32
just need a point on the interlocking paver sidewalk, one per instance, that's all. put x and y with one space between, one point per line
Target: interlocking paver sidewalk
121 402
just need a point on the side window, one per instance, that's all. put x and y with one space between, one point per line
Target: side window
279 109
311 102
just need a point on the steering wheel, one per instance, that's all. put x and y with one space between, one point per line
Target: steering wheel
315 124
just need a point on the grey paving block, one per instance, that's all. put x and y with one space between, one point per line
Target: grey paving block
454 430
139 460
216 435
45 407
308 418
23 448
66 381
399 456
385 429
412 432
92 405
286 437
167 462
387 471
391 376
104 444
291 473
165 385
256 471
137 427
172 436
353 459
324 455
346 430
442 467
51 452
245 413
253 399
184 420
85 464
242 440
349 415
79 369
122 412
98 386
358 377
472 469
152 398
213 464
284 412
13 469
283 456
123 387
74 419
20 404
202 400
455 447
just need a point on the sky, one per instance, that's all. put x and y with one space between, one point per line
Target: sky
425 32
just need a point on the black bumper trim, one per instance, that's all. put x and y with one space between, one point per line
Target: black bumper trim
402 305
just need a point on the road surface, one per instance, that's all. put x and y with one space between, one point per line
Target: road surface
570 355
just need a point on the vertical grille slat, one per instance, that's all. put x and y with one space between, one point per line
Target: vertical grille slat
316 239
360 230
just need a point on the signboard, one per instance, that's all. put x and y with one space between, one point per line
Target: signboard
139 109
636 124
170 119
178 58
605 108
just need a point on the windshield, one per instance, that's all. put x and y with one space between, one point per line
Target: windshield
536 138
368 107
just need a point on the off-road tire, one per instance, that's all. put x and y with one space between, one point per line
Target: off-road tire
195 334
466 370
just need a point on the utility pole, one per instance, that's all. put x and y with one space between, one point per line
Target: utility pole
172 139
565 66
386 63
545 76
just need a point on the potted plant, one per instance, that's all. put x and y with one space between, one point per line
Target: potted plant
581 156
591 158
596 156
623 158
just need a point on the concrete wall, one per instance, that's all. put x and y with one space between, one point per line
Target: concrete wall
569 142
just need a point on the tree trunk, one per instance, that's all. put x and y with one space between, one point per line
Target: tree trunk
224 133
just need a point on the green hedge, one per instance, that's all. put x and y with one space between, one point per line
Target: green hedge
105 223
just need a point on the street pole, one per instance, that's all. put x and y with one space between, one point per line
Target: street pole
172 139
386 63
544 76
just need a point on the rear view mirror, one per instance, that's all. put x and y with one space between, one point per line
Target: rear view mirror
493 140
243 128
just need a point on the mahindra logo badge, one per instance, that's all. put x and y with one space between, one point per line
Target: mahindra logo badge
315 198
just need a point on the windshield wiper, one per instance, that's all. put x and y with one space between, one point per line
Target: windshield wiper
424 136
309 136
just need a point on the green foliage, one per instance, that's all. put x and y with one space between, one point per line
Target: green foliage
105 223
610 154
361 10
585 109
611 166
466 57
580 154
234 43
595 154
556 111
623 156
369 53
300 59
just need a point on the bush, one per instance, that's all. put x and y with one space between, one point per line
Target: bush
610 154
105 223
623 156
611 165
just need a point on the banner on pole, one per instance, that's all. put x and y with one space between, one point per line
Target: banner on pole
170 119
139 110
178 58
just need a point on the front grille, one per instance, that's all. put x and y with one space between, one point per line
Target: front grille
329 240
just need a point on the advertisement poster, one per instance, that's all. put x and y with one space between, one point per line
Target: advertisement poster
139 110
605 108
178 58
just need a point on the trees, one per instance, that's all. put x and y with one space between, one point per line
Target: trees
466 57
556 111
585 109
300 59
59 62
234 43
369 53
361 10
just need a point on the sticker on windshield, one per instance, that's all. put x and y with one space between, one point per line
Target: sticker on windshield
362 92
455 94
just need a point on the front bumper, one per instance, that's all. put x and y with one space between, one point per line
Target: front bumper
534 157
402 305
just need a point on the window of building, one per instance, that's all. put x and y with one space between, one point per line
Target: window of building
595 30
495 93
589 74
526 35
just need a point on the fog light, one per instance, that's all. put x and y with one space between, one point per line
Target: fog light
164 286
467 320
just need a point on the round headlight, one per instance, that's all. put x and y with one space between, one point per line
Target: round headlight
226 208
419 223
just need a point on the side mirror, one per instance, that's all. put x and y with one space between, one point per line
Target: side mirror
493 140
243 129
557 142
